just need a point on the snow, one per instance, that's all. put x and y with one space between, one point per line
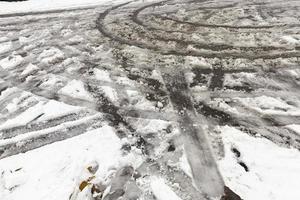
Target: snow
54 171
30 68
51 80
45 5
23 118
53 109
139 101
47 111
273 170
290 40
294 127
162 191
11 61
5 47
30 135
102 75
184 165
75 89
110 93
270 105
51 56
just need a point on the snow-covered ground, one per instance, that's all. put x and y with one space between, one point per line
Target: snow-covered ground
99 105
272 172
57 170
48 5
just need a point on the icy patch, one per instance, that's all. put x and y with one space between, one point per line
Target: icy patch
5 47
53 171
162 191
11 61
273 171
75 89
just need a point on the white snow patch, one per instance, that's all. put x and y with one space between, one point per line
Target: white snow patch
294 127
51 56
30 68
24 118
53 172
162 191
56 109
269 105
11 61
47 111
110 93
184 165
75 89
290 39
51 80
5 47
139 101
76 39
44 5
273 170
101 75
